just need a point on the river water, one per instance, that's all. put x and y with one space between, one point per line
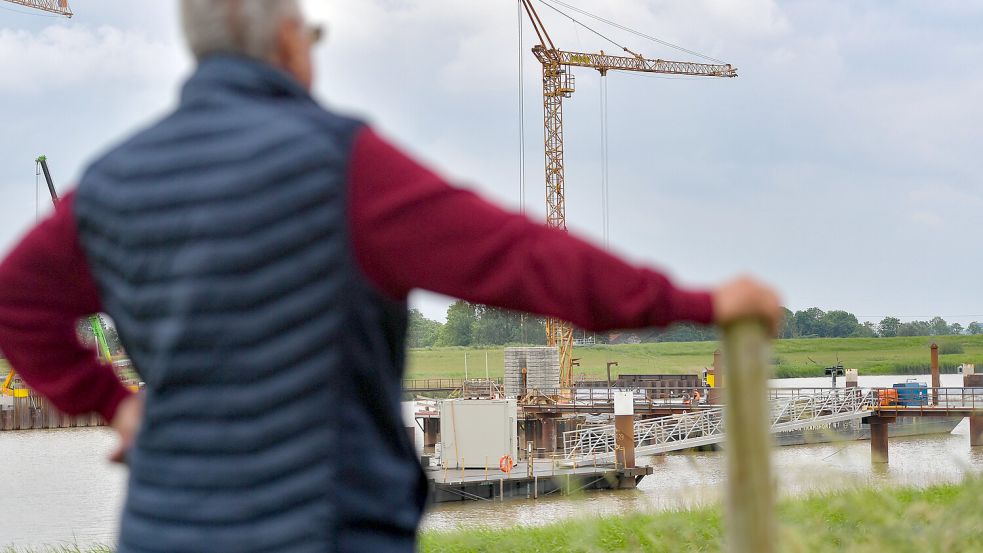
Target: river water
57 486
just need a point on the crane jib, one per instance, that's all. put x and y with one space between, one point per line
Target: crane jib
605 62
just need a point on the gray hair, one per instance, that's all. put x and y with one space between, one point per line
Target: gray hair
243 27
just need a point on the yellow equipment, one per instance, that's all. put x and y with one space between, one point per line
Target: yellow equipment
8 387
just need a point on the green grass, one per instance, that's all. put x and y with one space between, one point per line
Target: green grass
944 518
938 519
869 355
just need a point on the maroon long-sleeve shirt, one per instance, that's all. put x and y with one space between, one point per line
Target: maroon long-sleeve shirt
410 229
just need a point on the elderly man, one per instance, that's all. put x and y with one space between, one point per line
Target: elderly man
256 252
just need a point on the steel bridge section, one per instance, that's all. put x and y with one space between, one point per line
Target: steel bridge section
706 426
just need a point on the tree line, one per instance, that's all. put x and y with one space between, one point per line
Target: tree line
470 324
816 323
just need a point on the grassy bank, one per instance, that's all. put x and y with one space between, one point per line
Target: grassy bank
793 357
939 519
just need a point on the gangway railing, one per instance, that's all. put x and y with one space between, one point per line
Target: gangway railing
706 426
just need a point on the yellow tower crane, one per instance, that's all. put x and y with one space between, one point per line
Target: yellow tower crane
59 7
558 83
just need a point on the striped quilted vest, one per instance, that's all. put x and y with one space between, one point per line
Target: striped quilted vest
220 242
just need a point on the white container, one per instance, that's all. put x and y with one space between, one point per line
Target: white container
476 433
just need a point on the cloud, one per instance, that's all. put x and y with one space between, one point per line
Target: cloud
59 57
70 91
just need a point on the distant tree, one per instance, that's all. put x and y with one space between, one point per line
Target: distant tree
788 324
532 330
866 330
955 329
975 328
422 332
494 326
888 327
457 331
807 322
687 332
915 328
939 327
837 324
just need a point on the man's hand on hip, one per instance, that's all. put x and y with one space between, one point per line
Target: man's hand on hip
126 423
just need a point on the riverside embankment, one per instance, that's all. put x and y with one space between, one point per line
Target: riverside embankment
793 358
937 519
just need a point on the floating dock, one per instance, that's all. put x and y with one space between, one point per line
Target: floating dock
447 485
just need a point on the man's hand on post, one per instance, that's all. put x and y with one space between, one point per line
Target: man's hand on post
746 298
126 422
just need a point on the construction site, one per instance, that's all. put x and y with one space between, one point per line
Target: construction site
540 431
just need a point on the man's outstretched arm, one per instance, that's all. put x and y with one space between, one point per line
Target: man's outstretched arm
45 288
413 230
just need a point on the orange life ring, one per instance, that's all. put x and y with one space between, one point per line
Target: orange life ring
506 463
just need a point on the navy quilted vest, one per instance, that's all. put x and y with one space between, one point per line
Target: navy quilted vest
219 238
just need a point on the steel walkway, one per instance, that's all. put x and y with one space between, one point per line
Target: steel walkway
706 426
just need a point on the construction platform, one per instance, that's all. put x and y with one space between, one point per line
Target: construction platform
448 485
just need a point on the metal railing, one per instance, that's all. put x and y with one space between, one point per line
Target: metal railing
439 383
706 426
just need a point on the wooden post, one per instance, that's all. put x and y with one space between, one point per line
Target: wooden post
936 379
431 432
976 430
624 429
548 433
750 522
878 440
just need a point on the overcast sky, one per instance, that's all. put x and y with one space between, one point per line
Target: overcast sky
843 164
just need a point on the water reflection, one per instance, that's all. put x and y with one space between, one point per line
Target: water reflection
58 487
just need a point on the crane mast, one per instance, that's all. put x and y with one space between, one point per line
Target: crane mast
59 7
559 83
